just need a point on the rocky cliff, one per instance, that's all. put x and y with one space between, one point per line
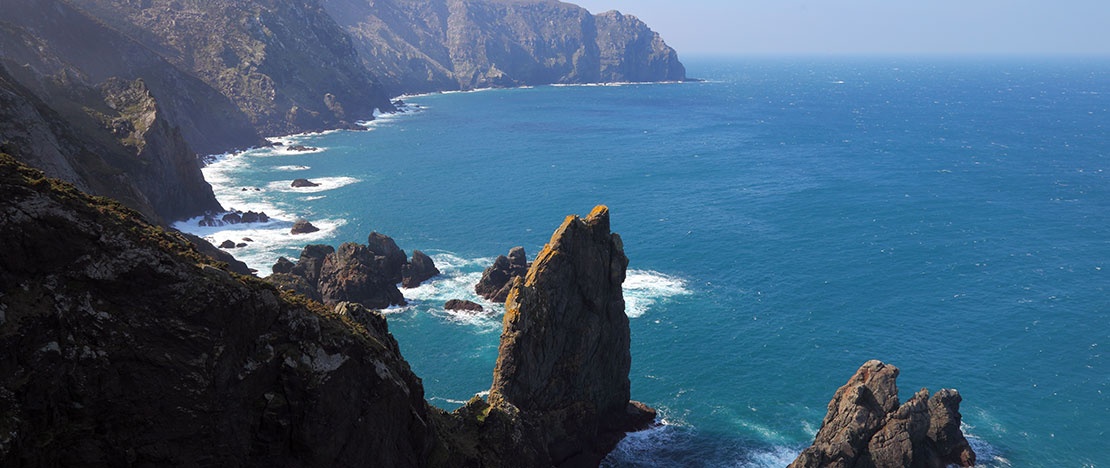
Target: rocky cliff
866 427
285 64
120 345
430 45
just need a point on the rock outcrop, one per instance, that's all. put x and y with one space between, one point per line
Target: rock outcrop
418 270
366 274
297 183
430 45
463 305
866 427
119 344
301 226
497 279
564 356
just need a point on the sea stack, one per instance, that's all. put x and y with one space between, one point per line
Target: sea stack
497 280
866 427
564 357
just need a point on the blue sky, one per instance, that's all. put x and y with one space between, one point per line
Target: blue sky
948 27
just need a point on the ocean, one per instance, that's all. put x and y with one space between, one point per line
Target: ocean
786 220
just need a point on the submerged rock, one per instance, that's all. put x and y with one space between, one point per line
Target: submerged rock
497 280
866 427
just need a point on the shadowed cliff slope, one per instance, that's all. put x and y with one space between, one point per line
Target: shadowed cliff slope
429 45
119 344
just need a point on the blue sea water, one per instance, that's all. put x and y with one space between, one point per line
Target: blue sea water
786 221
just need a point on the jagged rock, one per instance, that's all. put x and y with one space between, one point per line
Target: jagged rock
210 221
123 346
392 257
497 280
464 305
283 265
232 218
350 274
252 217
420 269
304 183
227 244
301 148
311 261
303 227
564 356
866 427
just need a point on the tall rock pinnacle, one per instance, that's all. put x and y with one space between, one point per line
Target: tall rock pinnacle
564 357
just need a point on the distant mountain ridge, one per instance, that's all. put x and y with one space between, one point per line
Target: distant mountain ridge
119 96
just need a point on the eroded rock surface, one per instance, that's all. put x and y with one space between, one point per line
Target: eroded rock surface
866 427
564 356
497 279
121 345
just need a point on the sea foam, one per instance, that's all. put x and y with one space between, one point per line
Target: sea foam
646 288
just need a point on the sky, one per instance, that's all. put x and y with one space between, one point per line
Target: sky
871 27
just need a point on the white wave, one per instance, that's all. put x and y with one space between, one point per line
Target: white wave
268 241
772 457
456 280
292 168
645 288
324 184
317 197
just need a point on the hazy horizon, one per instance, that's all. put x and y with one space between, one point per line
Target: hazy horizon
873 27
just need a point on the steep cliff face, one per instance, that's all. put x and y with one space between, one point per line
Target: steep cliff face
866 427
427 45
86 105
285 64
119 344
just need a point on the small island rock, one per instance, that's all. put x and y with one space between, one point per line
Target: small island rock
227 244
303 227
463 305
420 269
304 183
498 278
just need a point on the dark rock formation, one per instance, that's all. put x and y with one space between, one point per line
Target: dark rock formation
303 227
390 258
418 270
430 45
866 427
351 274
304 183
464 305
252 217
227 244
283 265
564 356
302 148
497 280
120 345
232 218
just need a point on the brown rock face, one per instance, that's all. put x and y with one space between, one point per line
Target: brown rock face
303 227
865 426
462 304
564 356
497 280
